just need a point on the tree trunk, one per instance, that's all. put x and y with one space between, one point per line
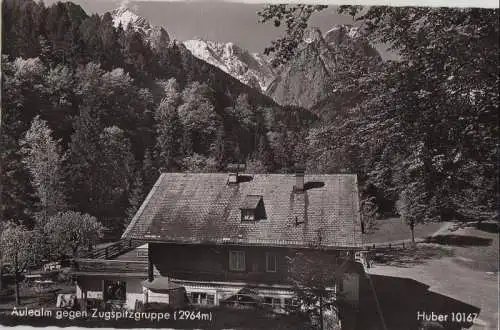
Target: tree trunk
75 251
16 280
1 209
321 326
1 272
412 228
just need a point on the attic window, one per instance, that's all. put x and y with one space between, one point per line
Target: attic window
252 208
247 215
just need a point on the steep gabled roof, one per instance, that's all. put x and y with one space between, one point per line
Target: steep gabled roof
202 208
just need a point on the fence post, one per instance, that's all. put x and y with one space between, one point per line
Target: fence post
106 254
130 243
390 246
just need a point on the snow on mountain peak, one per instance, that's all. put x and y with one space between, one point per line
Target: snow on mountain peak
124 16
250 69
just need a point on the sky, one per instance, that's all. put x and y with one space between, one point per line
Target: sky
212 20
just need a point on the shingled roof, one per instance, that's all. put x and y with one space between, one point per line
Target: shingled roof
202 208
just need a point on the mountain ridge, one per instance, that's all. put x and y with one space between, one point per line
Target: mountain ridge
252 69
304 81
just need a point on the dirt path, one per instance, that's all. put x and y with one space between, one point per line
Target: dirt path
447 278
445 229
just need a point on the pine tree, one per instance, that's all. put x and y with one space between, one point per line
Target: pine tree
83 162
218 149
111 56
149 171
135 199
116 164
46 53
263 153
198 115
168 128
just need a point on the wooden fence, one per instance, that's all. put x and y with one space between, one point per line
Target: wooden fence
384 246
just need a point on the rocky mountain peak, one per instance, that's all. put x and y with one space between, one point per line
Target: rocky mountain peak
251 69
124 16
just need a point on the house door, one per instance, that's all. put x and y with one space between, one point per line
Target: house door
115 293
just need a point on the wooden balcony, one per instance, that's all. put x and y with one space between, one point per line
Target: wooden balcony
102 267
113 250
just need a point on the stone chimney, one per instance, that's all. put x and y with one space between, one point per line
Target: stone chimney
299 178
234 170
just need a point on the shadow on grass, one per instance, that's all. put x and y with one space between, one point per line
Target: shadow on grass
401 299
489 227
408 257
459 240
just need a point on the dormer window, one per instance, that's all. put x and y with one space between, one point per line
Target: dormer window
247 215
252 208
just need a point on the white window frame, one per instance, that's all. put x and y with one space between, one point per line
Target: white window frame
247 215
200 301
275 256
142 253
240 265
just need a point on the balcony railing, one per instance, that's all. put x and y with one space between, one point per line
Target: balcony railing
112 250
110 266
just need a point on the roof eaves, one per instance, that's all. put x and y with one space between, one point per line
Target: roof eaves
127 233
262 243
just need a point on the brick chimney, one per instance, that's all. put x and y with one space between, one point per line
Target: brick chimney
299 178
234 170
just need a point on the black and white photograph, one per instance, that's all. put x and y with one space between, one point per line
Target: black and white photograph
249 165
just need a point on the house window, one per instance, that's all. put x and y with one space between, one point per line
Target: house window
202 298
272 301
237 261
271 262
291 302
142 253
247 215
114 290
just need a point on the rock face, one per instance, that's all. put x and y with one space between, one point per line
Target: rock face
155 34
251 69
159 38
307 78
